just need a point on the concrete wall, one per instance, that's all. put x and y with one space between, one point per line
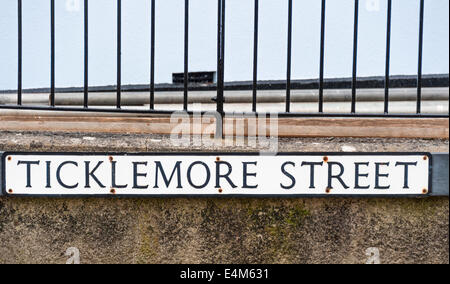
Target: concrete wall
332 230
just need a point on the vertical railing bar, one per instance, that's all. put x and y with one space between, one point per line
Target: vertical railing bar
222 44
420 60
255 55
355 55
219 32
119 51
86 54
220 66
19 52
289 58
152 58
52 53
322 56
220 56
186 54
388 55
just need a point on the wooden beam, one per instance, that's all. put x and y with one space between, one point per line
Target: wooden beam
287 127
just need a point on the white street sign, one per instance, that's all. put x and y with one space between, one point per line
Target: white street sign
201 174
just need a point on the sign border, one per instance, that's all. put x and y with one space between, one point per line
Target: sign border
4 155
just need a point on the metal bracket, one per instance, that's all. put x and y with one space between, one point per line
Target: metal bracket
1 172
439 176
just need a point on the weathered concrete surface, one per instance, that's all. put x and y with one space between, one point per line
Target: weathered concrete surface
334 230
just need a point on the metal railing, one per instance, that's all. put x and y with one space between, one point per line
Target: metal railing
220 86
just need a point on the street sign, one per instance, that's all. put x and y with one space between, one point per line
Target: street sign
213 174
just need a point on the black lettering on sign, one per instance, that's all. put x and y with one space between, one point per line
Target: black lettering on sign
311 171
58 175
176 169
283 170
378 175
90 174
405 178
338 176
359 175
136 175
189 176
246 174
48 164
113 176
225 176
28 163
